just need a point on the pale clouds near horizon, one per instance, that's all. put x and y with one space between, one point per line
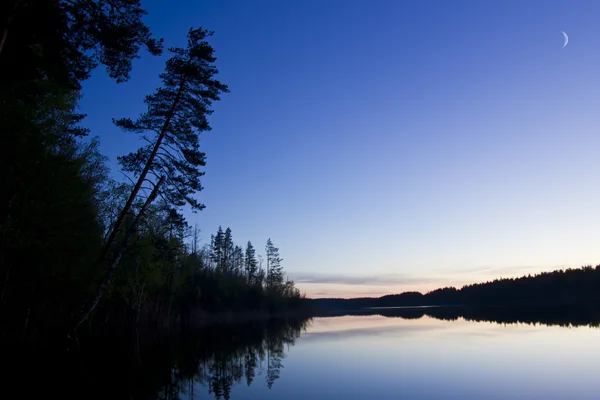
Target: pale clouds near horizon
318 285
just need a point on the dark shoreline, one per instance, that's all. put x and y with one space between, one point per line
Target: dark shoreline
561 314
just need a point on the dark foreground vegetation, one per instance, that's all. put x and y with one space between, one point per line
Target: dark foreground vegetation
561 287
79 250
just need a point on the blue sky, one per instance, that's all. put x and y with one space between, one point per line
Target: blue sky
387 146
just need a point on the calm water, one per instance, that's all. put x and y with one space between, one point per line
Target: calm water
364 357
377 357
413 354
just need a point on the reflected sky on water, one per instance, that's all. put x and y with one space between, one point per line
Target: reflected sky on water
365 357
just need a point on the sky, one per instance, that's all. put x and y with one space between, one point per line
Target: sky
387 146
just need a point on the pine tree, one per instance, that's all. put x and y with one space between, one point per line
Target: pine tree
195 238
73 36
250 263
274 268
238 260
177 113
217 249
227 261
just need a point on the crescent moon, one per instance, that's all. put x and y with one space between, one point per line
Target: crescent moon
566 39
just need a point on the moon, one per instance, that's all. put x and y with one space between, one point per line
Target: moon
566 39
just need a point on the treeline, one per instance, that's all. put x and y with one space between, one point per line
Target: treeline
78 248
164 282
565 286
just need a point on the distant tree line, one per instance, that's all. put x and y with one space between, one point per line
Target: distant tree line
565 286
78 248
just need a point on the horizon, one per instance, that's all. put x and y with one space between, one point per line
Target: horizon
378 294
386 145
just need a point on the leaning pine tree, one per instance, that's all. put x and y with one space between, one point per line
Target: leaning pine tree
171 159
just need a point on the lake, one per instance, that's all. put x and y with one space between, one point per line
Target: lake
411 355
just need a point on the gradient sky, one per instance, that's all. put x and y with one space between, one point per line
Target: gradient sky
387 146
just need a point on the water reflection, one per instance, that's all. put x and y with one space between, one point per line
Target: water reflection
559 315
147 365
521 352
218 358
494 353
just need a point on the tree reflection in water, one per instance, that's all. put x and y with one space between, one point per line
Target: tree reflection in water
564 315
151 365
220 357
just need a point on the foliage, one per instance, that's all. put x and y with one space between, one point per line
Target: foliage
274 270
54 184
177 113
63 40
58 205
251 264
49 232
565 286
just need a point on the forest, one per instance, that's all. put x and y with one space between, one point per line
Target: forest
560 287
79 249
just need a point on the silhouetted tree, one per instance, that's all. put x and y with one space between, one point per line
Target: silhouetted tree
250 263
74 35
227 261
274 269
218 249
58 205
52 206
177 113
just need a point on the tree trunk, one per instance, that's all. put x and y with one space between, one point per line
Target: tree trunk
169 312
169 290
5 281
113 265
159 312
3 39
139 305
31 296
138 184
151 313
9 20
